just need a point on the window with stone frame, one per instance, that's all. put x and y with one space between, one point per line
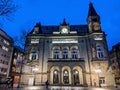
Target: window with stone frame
64 53
56 53
102 80
74 53
33 55
100 52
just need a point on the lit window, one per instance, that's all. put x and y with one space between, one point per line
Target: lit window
74 53
100 52
5 48
65 53
33 55
6 42
56 53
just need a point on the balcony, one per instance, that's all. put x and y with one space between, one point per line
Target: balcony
99 59
32 62
66 60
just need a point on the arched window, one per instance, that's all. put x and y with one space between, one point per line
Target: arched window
55 77
65 53
56 53
76 77
65 77
74 53
100 52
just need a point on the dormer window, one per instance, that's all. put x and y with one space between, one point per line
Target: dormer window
36 30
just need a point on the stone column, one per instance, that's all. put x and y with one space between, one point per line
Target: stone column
72 78
60 77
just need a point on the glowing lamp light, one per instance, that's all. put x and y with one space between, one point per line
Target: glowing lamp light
98 70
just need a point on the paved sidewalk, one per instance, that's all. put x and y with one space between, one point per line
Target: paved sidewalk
58 88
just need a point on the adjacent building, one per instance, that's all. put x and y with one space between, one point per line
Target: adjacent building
16 65
6 50
68 54
115 62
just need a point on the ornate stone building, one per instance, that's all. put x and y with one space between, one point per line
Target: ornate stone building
68 54
115 62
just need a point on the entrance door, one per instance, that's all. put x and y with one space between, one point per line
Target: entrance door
76 77
65 77
31 81
55 77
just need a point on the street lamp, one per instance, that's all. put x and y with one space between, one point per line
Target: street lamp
34 69
98 71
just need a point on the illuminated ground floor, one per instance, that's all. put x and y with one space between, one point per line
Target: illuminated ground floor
72 74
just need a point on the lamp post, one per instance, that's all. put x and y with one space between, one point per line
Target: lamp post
34 71
98 71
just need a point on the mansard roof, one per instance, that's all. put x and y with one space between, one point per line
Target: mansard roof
51 29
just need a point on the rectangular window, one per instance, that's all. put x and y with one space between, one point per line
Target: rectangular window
102 80
33 56
6 42
5 48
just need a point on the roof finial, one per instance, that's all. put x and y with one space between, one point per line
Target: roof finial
64 22
92 11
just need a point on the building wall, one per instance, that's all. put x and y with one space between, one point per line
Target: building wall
6 49
46 64
48 54
115 62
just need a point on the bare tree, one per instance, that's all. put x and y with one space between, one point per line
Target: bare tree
7 8
20 40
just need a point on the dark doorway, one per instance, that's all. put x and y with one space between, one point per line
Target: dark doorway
65 77
76 77
55 77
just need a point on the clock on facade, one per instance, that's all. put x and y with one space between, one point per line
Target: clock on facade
96 26
64 30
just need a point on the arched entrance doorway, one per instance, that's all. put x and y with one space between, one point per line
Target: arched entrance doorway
75 77
55 77
65 77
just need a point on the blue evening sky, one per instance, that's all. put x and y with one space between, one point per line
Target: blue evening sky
52 12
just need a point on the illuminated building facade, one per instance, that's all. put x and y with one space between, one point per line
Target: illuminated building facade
67 54
6 49
115 62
